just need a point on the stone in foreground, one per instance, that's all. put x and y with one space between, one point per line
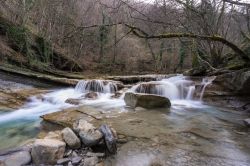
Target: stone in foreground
16 159
47 151
87 132
146 100
70 138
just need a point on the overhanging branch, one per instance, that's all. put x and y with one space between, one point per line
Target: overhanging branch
142 34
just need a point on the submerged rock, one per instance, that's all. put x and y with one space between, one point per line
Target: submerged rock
91 95
87 132
146 100
16 159
47 151
70 138
73 101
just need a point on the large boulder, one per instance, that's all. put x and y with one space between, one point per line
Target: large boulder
87 132
70 138
146 100
47 151
16 159
238 81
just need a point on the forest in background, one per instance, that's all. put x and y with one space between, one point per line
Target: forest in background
126 36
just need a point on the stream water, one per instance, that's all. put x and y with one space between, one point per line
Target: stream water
20 125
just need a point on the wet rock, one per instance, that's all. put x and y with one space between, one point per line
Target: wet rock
91 161
76 160
109 138
63 161
247 122
16 159
87 132
91 95
70 138
47 151
73 101
146 100
116 95
150 88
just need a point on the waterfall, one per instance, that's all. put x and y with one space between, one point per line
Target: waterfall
101 86
177 87
190 93
205 82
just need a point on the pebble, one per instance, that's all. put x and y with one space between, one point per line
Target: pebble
76 160
63 161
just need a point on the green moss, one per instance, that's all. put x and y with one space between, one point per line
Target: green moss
18 35
235 65
44 50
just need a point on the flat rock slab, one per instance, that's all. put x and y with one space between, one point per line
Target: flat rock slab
90 111
66 118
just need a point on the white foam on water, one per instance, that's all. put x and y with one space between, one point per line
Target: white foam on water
178 89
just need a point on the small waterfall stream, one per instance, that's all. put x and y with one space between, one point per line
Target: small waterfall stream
205 82
96 86
179 89
174 88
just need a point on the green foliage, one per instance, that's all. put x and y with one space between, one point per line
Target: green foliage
21 38
44 50
18 35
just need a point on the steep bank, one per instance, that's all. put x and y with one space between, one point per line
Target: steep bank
21 47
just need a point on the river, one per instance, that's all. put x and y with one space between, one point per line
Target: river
190 132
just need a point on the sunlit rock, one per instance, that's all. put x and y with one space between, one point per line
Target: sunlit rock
70 138
87 132
47 151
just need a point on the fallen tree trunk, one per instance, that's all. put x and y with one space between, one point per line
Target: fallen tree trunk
42 77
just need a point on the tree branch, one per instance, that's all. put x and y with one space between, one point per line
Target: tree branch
237 3
141 34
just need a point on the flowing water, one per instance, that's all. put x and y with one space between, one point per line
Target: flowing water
19 125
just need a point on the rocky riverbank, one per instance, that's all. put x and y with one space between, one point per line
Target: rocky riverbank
83 145
164 132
